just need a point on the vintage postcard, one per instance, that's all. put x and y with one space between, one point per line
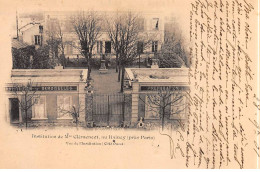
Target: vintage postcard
153 84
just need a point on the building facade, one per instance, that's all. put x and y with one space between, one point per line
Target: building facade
45 95
37 33
55 92
32 34
156 89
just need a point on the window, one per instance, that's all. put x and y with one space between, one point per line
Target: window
154 46
178 106
37 39
140 22
140 47
152 108
99 46
40 29
64 107
155 23
107 47
69 48
39 108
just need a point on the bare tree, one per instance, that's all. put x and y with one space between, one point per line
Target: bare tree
28 95
125 32
167 102
113 33
87 27
55 40
173 53
61 46
73 111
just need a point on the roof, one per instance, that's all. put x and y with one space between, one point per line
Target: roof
48 75
159 75
28 26
18 44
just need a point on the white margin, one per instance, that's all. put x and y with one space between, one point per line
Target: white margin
258 83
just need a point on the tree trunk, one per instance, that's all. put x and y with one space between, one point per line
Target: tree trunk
25 110
89 66
63 60
77 121
116 62
119 72
89 70
26 119
122 79
163 114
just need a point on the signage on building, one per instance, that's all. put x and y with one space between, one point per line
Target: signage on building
43 88
163 88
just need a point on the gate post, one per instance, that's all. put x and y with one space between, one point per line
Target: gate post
108 110
81 103
81 117
89 109
127 109
123 109
135 100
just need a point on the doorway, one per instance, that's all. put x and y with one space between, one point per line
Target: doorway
14 110
107 47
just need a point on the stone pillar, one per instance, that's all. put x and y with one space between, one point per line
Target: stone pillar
82 102
103 64
7 110
89 106
103 68
127 108
135 99
155 64
20 111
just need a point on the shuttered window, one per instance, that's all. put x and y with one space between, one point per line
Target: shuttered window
39 108
64 106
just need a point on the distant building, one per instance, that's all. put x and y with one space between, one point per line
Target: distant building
18 44
35 33
32 34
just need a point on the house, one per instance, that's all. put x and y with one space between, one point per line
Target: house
38 32
51 94
149 86
32 34
152 23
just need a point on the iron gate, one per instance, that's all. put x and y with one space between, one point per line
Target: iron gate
108 109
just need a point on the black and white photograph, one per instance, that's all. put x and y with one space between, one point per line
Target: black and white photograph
97 69
153 84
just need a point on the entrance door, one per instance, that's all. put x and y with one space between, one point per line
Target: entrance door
107 47
14 110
